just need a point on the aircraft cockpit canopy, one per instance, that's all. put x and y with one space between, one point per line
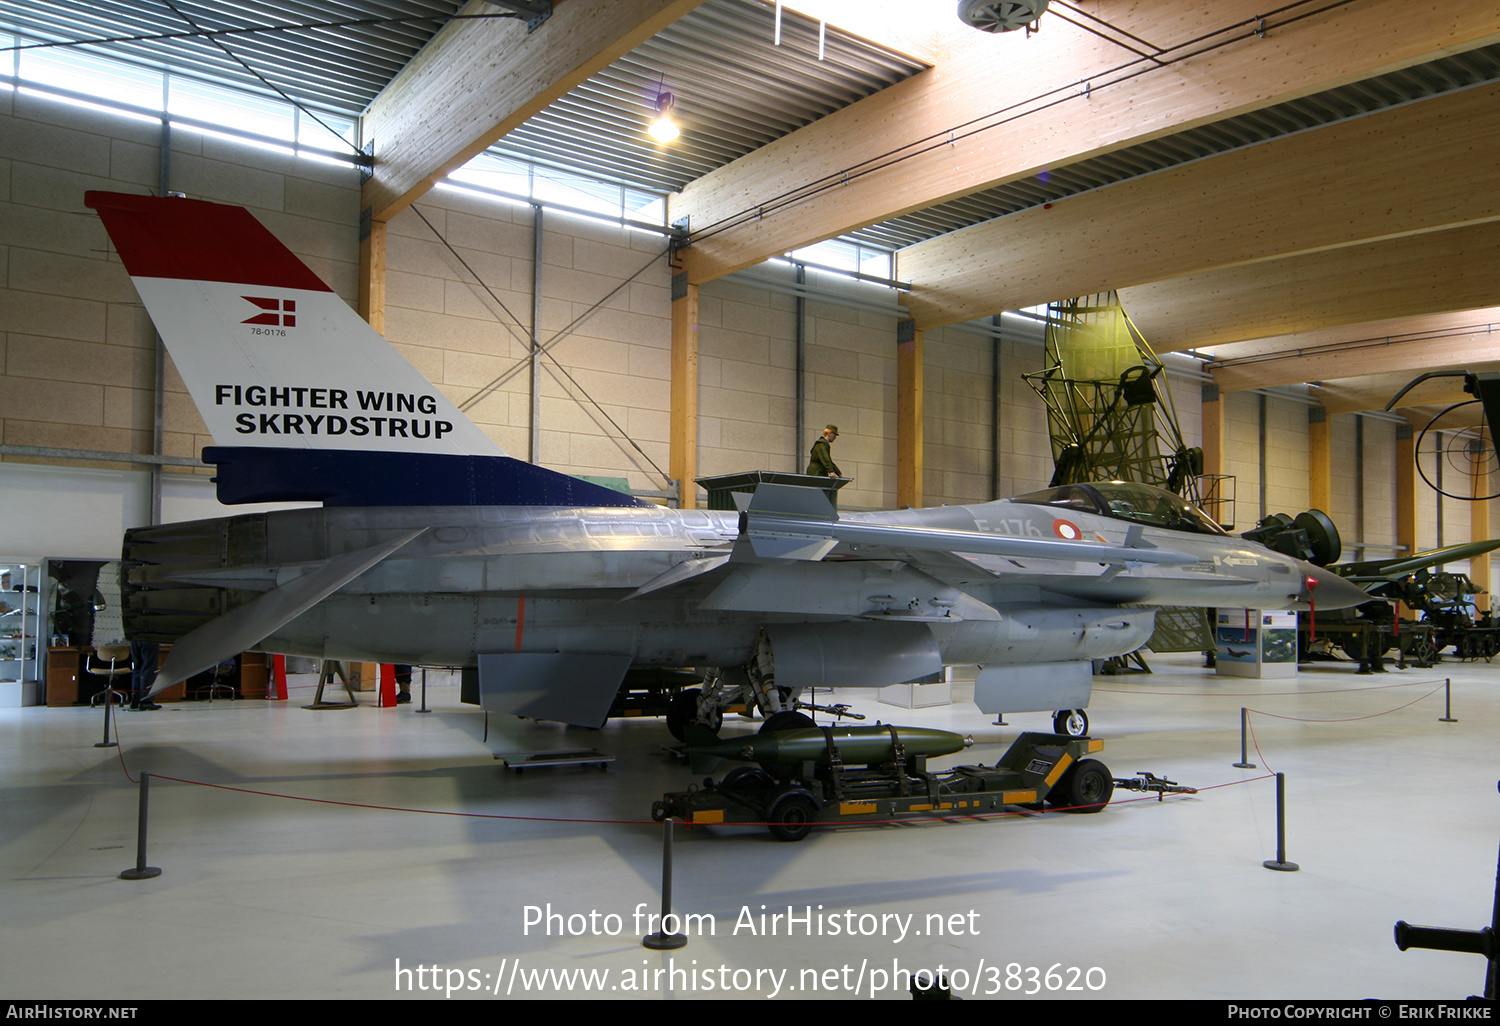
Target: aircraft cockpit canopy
1128 501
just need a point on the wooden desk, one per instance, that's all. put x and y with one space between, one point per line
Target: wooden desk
70 683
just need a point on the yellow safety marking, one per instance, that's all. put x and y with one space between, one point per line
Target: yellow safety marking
1059 769
919 808
709 816
856 808
1096 746
1018 797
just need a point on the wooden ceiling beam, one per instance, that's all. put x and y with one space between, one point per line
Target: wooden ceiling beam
1397 329
1358 395
477 80
1411 169
1422 274
1008 107
1456 350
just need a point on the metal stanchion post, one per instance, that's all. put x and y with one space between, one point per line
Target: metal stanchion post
107 743
661 940
1281 864
424 692
141 870
1244 762
1447 716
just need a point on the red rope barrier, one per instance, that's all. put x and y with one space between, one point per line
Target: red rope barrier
622 822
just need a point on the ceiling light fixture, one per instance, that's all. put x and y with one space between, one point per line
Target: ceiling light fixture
1002 15
664 129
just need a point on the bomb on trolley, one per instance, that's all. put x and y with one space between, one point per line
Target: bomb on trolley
815 775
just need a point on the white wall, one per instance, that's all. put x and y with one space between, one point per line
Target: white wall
82 512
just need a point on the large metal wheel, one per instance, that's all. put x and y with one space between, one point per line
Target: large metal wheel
683 710
1086 787
791 816
680 711
1072 722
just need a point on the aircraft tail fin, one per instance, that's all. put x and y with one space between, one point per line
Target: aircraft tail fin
271 355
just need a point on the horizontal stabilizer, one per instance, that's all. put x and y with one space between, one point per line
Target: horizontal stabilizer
245 626
341 477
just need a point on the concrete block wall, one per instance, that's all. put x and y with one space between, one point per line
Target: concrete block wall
747 381
1287 475
747 360
1380 485
1287 467
1455 480
851 382
958 380
1342 508
1286 455
1025 443
472 340
1184 386
77 351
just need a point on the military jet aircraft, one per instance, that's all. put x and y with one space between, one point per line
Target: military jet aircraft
433 547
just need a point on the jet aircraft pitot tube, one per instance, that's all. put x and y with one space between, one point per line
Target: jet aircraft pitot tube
433 547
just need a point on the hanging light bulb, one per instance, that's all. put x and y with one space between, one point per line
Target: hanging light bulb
664 129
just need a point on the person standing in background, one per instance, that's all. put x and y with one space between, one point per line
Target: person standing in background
821 462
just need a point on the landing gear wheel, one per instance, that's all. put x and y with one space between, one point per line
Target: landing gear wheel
1086 787
683 710
1072 722
791 817
786 720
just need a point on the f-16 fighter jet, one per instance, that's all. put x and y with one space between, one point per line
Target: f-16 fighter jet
433 547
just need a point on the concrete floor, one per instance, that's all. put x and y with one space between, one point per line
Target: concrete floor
1392 815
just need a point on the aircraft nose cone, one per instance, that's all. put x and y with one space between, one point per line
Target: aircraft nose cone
1325 589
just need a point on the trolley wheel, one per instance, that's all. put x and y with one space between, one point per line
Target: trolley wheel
786 720
1072 722
1086 787
791 817
745 777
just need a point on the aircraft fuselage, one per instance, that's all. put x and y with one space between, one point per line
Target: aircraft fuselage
529 579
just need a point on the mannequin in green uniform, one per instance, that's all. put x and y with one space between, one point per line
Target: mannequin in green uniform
821 462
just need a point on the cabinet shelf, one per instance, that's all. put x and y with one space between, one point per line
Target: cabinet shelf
20 622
